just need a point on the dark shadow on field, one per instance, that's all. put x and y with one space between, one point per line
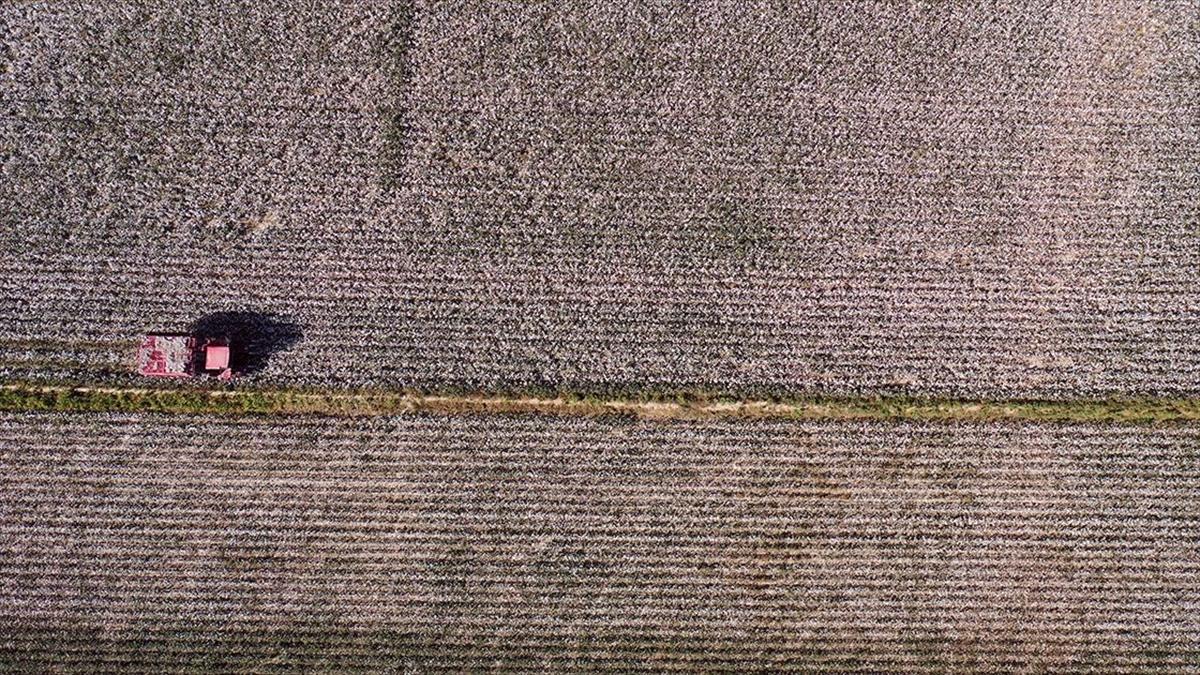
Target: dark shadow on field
253 337
397 55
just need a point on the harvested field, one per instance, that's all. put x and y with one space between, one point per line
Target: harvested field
522 543
841 198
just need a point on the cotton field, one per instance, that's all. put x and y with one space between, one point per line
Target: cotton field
425 542
749 197
740 200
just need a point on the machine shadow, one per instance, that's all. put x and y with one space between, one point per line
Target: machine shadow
253 337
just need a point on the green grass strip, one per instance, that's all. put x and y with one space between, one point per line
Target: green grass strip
29 397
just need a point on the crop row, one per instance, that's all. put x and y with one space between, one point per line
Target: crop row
437 540
501 197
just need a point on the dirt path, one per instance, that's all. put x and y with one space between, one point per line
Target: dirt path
32 397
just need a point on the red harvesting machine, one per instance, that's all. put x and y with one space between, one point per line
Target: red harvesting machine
184 356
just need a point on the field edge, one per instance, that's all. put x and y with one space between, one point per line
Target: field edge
17 396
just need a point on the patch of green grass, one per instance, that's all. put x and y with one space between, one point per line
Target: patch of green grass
673 405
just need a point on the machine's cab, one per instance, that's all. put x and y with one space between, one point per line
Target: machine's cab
215 360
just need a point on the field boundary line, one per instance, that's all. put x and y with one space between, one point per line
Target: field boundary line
82 398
